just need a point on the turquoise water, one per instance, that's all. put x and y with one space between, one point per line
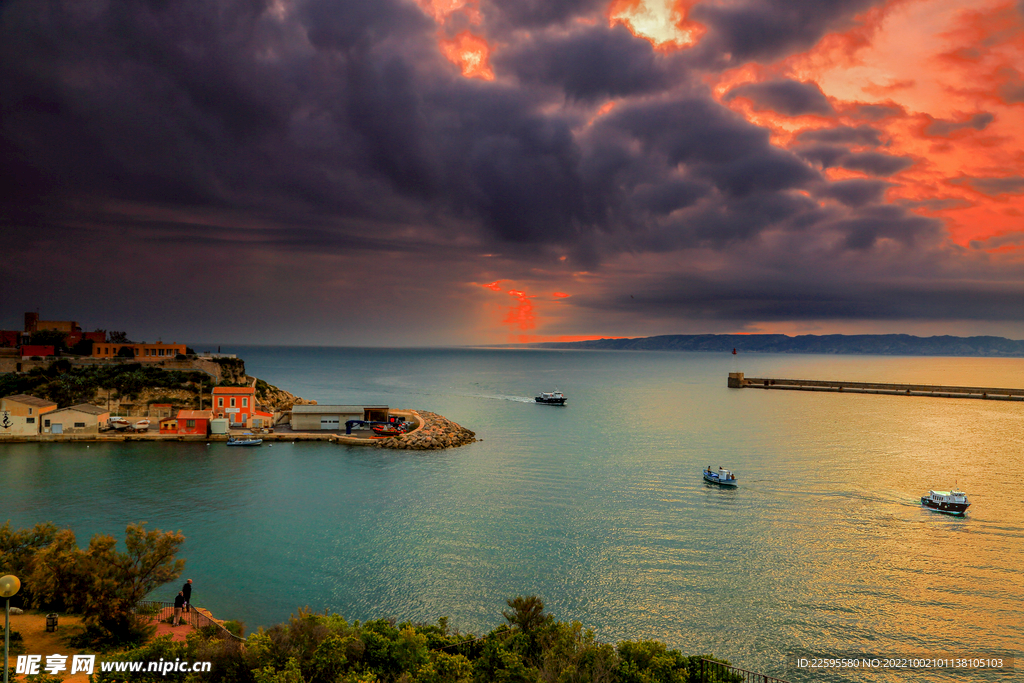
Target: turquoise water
599 507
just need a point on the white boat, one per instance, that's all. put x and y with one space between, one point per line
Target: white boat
119 423
551 398
141 425
722 477
951 502
247 440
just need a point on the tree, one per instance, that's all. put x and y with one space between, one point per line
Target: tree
126 352
54 338
118 337
60 575
82 348
122 579
527 613
18 552
70 389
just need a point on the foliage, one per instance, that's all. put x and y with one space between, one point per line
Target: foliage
126 352
118 337
67 385
102 582
54 338
82 348
236 627
18 551
325 648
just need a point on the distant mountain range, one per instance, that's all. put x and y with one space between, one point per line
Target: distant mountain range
867 344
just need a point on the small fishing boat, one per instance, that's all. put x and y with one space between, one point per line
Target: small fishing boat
951 502
246 440
141 425
119 423
551 398
387 430
722 477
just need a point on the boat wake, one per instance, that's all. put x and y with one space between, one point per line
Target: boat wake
502 397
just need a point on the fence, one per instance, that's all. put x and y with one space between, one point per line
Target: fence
717 672
159 611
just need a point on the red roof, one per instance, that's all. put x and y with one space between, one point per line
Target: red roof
234 390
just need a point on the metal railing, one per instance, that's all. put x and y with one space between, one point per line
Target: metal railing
717 672
160 611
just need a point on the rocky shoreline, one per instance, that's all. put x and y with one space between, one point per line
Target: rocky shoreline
437 432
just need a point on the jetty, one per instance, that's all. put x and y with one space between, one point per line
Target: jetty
738 381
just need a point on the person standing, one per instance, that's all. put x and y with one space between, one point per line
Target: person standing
179 603
186 590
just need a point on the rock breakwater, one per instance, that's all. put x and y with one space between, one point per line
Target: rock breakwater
436 433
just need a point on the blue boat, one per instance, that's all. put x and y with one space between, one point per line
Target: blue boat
722 477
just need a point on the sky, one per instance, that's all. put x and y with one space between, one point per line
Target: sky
434 172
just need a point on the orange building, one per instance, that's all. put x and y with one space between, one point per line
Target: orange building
169 425
238 404
142 351
193 422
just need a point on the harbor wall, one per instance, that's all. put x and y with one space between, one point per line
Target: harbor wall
737 380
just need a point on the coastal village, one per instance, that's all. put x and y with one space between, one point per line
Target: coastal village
168 392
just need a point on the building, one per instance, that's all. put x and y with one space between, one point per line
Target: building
333 418
20 414
29 350
141 351
239 406
159 410
169 425
83 418
34 324
192 422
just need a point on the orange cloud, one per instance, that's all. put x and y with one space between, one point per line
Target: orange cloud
942 85
440 10
493 286
662 22
471 53
560 295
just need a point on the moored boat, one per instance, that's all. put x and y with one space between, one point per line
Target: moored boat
551 398
387 430
951 502
722 477
247 440
119 423
141 425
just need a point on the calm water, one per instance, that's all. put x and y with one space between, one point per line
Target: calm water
599 507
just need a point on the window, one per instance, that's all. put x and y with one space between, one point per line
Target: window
78 425
161 352
46 423
245 402
232 401
30 420
220 402
190 424
29 411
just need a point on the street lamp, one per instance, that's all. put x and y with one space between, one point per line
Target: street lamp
9 586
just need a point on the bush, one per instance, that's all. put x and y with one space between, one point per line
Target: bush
235 627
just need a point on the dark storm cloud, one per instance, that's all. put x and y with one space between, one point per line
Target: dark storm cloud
876 112
856 192
850 135
785 96
942 128
593 63
1013 184
309 143
873 163
538 13
765 30
876 163
786 299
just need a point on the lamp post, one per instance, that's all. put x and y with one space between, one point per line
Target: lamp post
9 586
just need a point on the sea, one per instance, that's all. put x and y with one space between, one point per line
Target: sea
823 551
